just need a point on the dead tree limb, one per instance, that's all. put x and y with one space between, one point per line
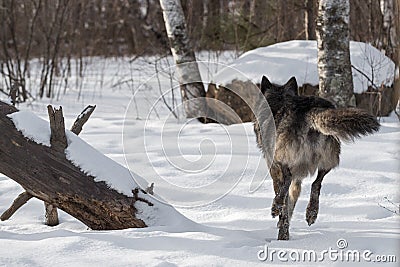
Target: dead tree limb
46 174
82 119
18 202
58 142
51 215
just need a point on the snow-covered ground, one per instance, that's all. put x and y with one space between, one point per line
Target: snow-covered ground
234 230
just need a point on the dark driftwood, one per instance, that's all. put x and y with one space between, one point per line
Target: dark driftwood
51 214
82 119
46 174
18 202
58 141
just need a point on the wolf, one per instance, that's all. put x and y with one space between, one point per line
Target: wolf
308 134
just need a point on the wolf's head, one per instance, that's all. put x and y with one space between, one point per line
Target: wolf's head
276 94
290 87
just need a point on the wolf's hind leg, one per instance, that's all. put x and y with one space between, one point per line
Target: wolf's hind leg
280 196
283 224
277 179
294 192
313 204
280 203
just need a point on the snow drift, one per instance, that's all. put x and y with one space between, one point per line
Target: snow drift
299 58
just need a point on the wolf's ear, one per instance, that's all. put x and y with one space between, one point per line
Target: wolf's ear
265 84
291 86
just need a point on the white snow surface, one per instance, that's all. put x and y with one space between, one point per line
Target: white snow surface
298 58
355 201
31 126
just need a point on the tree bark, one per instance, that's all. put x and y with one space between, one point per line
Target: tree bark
192 89
46 174
189 75
58 141
309 19
51 214
18 202
390 39
334 67
82 119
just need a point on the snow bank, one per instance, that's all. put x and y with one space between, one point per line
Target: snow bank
298 58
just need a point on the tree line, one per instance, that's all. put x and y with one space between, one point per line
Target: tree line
52 30
133 27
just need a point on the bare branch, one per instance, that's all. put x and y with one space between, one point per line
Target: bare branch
18 203
82 119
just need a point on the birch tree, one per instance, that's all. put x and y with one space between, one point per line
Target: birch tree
188 70
334 67
390 39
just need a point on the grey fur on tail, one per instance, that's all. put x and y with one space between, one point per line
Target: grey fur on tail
343 123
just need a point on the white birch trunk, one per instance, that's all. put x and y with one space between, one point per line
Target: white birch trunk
390 35
189 76
334 67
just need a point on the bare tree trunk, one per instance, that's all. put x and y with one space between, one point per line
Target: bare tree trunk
397 56
309 19
334 67
204 20
390 37
189 75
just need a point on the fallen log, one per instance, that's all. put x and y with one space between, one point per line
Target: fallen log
58 141
46 174
51 214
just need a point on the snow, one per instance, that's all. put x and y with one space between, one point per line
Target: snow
298 58
31 126
229 231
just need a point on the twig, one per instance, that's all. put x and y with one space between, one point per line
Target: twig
162 94
137 198
150 189
397 212
366 76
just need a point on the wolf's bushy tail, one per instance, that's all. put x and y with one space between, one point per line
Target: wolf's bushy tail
343 123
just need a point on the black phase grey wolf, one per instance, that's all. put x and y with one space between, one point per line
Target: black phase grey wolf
308 134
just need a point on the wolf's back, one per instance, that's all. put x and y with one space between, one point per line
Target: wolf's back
343 123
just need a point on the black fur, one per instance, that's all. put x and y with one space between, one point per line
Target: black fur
308 133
